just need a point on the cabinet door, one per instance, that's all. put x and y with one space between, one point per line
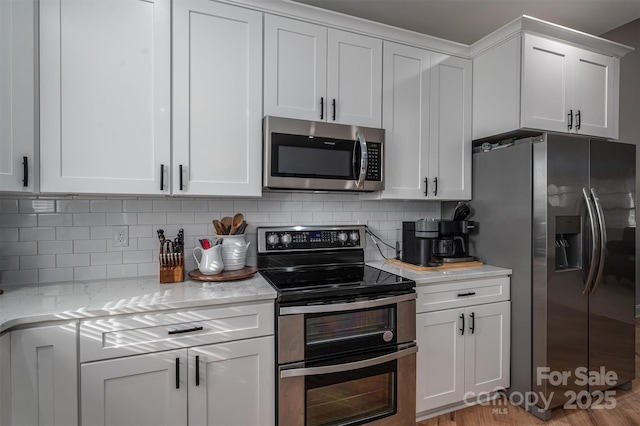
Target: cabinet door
44 387
354 79
143 390
17 109
487 347
295 69
406 120
232 383
450 132
217 99
593 93
105 96
440 362
546 84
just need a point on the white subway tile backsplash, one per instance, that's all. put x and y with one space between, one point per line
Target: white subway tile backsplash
37 234
73 233
67 260
122 218
55 219
38 262
19 248
62 238
89 219
73 206
89 272
55 275
106 206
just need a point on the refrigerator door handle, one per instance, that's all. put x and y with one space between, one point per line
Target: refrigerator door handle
603 239
595 242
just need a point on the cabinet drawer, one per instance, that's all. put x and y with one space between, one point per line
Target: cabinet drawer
113 337
435 297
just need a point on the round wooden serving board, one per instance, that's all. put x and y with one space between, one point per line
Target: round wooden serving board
239 274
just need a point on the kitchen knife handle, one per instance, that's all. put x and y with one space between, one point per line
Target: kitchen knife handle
321 107
462 328
25 171
473 322
570 115
435 182
197 370
578 120
426 187
177 373
333 103
161 177
181 185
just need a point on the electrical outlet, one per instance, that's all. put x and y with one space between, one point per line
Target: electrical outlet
120 236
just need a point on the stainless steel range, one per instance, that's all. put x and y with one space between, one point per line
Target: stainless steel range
345 331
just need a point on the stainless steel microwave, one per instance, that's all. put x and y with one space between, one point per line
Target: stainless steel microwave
319 156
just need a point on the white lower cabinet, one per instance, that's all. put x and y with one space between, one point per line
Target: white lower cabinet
463 351
224 384
212 366
43 376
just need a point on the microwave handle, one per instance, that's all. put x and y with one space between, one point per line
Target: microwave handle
364 159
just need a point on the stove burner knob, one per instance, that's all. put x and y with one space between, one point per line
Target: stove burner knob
342 237
354 236
387 336
273 239
286 239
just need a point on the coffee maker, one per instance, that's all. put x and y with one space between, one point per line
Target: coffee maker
452 244
418 242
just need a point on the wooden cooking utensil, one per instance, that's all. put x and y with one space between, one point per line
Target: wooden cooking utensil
235 224
226 222
219 227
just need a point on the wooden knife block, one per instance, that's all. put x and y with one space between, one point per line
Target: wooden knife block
172 272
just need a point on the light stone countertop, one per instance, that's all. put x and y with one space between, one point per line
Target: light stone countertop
34 303
444 275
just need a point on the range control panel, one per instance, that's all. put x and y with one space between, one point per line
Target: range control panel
285 238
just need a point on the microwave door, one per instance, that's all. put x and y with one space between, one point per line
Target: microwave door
364 160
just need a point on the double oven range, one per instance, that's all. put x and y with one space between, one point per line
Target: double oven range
345 351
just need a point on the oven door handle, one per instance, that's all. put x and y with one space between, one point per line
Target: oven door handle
339 368
347 306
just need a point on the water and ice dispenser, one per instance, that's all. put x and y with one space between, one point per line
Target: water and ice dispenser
568 242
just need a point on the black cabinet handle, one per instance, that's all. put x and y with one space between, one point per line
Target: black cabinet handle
25 171
462 328
186 330
177 373
578 120
161 177
570 119
435 182
197 370
473 322
426 187
333 103
181 186
471 293
322 108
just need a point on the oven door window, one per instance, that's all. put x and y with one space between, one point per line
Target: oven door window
353 397
343 332
305 157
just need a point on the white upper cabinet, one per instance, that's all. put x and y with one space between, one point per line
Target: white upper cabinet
427 118
217 99
567 89
105 96
542 82
315 73
17 97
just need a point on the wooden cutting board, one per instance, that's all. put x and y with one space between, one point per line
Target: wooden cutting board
239 274
454 265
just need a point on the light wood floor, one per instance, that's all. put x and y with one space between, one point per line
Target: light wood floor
626 412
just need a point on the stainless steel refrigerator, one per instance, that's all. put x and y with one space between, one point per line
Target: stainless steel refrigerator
560 211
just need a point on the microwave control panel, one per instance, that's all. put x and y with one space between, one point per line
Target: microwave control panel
374 171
